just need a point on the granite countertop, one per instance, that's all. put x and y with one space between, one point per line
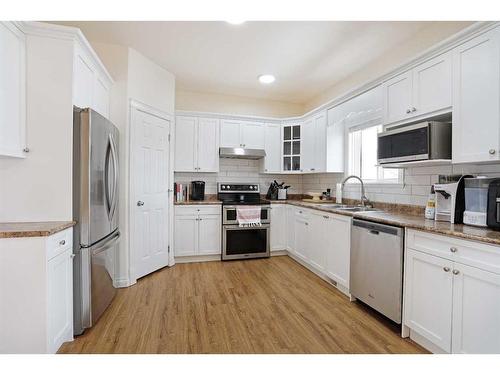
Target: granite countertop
33 229
412 221
209 199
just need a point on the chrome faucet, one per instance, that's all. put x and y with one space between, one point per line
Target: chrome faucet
364 200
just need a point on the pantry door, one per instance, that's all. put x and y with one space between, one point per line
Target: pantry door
150 183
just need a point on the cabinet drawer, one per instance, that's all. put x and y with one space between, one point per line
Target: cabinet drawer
59 242
475 254
195 209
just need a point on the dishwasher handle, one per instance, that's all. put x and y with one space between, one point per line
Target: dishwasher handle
376 228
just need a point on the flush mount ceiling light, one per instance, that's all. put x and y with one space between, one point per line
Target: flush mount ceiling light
266 78
236 22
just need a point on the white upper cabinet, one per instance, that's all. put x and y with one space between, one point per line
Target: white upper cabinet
476 99
334 142
423 91
12 90
91 86
320 142
196 144
272 160
307 153
252 135
243 134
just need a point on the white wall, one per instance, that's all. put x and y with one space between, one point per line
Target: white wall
39 188
237 105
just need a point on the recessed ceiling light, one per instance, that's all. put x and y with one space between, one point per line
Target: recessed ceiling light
266 78
236 22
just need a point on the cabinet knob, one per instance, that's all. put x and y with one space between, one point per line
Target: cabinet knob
446 269
456 272
72 256
140 203
492 151
62 242
413 109
26 150
307 223
408 110
453 249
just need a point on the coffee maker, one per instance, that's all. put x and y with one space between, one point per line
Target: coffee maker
450 198
197 190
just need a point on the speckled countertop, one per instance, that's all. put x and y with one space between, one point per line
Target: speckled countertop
33 229
411 221
209 199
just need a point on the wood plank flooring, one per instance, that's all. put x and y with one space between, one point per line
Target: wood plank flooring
254 306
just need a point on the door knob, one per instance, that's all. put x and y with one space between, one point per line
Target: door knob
140 203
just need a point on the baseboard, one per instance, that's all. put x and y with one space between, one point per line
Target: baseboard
123 283
197 258
278 253
425 343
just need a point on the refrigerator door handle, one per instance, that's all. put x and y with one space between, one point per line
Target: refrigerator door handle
109 243
115 176
107 196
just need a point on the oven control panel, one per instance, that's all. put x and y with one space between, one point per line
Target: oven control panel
238 188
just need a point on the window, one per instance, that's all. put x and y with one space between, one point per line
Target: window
362 158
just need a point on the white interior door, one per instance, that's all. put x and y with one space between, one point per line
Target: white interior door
149 177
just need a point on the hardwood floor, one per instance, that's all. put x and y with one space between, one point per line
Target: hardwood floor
254 306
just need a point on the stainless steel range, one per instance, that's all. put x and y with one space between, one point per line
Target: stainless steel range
243 242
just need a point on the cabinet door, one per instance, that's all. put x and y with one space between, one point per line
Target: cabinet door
230 133
428 297
335 142
186 235
290 229
12 90
301 233
307 153
208 145
320 142
60 300
338 251
278 227
397 98
186 139
476 99
476 311
253 135
432 85
83 81
272 161
100 97
318 240
209 234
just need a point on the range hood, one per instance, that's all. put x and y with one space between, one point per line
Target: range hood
241 153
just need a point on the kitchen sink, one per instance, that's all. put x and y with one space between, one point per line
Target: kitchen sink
346 207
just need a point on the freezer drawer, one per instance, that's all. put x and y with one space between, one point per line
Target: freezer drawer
377 267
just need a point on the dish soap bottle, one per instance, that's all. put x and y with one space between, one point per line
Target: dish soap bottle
430 208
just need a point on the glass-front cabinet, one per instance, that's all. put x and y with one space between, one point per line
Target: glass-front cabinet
291 147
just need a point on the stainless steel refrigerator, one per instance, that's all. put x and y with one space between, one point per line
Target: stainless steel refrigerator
95 209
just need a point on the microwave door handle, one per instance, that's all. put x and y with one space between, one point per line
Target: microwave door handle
115 176
107 197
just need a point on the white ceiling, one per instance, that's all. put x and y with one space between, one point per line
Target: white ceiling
305 57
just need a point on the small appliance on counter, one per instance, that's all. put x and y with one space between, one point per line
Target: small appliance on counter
197 190
478 204
450 198
493 218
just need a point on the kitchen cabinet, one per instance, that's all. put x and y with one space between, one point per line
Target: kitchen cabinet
37 303
423 91
278 227
196 144
292 147
302 243
452 293
338 250
307 153
245 134
319 240
314 143
272 160
91 87
197 230
12 91
335 137
290 228
476 99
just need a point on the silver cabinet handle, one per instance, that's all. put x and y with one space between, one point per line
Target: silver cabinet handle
456 272
446 269
453 249
72 256
326 217
62 242
492 151
408 110
307 223
140 203
413 109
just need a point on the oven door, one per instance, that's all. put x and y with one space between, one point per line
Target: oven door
229 215
408 143
241 243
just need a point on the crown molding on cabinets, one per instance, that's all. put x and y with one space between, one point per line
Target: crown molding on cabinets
226 116
63 32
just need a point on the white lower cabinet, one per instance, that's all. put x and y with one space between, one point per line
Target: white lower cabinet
278 227
338 252
197 230
301 241
452 305
290 228
36 307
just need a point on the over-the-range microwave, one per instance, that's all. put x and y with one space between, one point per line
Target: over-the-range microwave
423 141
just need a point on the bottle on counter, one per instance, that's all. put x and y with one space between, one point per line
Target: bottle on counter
430 207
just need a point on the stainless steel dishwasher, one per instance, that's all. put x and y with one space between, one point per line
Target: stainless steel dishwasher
377 266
